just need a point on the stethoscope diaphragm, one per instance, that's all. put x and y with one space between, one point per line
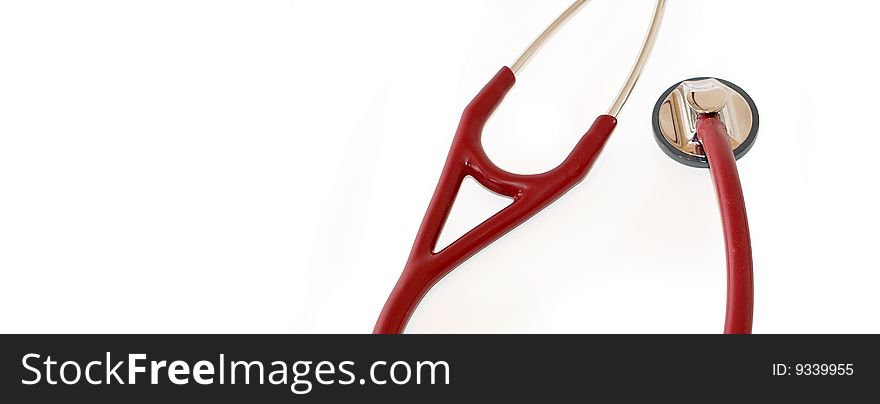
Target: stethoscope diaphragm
675 116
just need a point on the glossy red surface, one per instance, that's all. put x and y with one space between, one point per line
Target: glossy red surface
530 193
740 290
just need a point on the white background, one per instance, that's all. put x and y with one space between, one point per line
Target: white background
244 166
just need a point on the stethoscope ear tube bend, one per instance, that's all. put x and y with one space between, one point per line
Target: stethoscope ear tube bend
530 193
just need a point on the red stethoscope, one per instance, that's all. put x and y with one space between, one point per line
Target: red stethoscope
690 123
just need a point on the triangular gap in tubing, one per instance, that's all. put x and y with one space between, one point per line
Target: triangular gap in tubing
473 206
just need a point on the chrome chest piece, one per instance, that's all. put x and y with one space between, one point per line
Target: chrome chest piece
675 118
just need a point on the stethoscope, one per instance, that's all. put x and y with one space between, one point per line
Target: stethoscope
700 122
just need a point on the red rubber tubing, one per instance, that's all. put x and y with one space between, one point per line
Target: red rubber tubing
712 134
530 193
